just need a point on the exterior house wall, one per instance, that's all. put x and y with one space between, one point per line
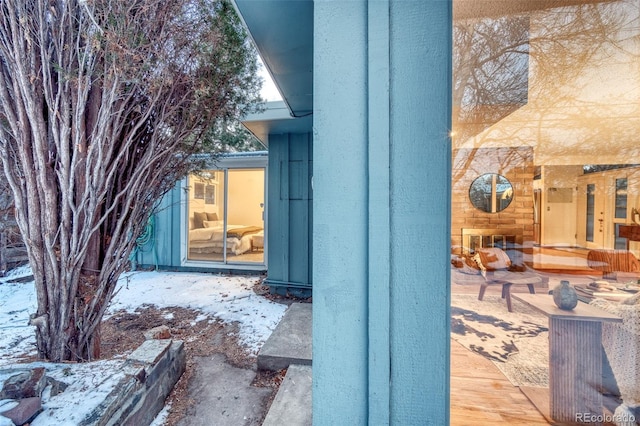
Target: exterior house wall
514 163
163 249
381 228
289 209
290 213
165 246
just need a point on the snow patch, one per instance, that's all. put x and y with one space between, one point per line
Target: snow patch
228 298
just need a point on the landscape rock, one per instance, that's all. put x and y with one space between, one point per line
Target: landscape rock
151 372
57 387
158 333
27 384
26 410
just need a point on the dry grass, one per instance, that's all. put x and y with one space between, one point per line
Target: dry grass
123 332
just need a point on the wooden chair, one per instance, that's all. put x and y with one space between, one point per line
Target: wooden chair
496 268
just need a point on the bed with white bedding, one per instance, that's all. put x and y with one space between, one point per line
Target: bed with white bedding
210 239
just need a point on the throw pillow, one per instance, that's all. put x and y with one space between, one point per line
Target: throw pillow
198 219
492 259
465 264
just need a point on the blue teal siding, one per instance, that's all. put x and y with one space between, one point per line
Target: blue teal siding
164 247
381 212
420 208
290 212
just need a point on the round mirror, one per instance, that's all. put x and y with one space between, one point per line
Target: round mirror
491 193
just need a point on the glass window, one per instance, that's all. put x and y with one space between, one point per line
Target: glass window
225 210
591 214
491 193
547 96
621 198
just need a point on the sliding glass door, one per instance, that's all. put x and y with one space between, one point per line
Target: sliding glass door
245 216
225 211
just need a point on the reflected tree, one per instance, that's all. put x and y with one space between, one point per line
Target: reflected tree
502 63
533 85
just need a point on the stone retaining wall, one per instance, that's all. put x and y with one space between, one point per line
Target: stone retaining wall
151 372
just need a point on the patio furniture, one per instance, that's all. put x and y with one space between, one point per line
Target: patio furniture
574 346
613 262
496 267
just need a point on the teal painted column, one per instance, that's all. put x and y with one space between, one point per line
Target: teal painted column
340 214
278 208
420 203
381 212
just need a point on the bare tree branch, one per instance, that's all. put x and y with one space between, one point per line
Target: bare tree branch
102 104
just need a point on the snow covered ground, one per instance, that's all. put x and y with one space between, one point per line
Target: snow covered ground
228 298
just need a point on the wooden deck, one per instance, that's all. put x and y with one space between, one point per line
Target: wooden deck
482 395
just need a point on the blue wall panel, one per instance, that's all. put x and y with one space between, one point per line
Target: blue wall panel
340 273
290 217
381 184
164 249
278 212
420 156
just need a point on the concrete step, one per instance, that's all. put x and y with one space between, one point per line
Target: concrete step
292 404
290 342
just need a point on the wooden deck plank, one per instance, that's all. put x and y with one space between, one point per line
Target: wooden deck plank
540 398
481 394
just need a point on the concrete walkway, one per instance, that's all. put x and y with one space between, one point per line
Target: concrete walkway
224 396
292 405
290 347
290 342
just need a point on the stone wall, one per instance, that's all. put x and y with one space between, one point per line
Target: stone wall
151 372
516 164
149 375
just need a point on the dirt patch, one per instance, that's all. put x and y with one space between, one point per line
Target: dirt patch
123 332
264 291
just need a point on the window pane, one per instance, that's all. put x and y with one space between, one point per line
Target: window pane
205 208
245 216
621 198
547 96
590 211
